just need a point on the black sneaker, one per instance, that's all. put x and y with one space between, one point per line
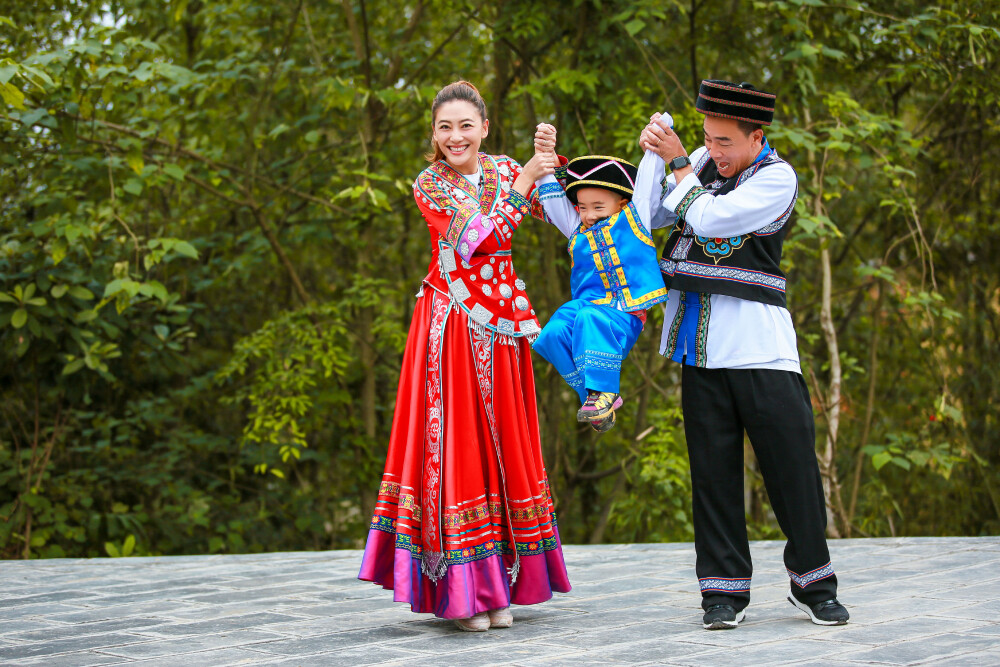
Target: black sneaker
830 612
722 617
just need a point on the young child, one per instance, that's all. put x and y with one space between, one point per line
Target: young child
615 276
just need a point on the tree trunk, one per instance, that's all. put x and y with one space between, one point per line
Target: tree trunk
827 464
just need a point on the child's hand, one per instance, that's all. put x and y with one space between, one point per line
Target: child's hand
545 138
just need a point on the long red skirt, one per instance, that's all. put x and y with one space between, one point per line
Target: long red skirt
464 521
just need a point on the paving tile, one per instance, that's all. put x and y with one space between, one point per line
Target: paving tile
63 596
926 649
340 640
806 651
75 659
155 608
84 629
989 658
15 626
43 610
35 649
216 625
377 655
183 646
217 658
878 634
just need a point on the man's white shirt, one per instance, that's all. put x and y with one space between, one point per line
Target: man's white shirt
742 334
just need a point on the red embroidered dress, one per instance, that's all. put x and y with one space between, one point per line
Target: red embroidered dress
464 520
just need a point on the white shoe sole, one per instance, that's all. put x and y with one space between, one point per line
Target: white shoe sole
812 617
726 625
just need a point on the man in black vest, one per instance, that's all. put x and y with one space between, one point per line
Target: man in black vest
729 204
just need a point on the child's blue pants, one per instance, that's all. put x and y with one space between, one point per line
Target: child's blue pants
587 344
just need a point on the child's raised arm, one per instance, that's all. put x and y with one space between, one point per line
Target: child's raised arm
559 211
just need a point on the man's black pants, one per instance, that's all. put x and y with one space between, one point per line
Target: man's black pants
774 409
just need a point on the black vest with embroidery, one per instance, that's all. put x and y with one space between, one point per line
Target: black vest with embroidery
746 266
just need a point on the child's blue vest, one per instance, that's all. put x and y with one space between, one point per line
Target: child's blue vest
615 264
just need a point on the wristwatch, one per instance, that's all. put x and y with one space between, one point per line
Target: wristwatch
679 162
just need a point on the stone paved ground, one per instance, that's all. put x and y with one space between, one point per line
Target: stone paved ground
912 600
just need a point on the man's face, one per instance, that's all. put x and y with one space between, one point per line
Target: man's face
731 150
595 204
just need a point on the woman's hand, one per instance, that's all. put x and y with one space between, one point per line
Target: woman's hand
540 164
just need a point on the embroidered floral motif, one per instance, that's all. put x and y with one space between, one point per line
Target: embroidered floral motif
720 248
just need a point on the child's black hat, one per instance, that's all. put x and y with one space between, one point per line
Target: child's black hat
600 171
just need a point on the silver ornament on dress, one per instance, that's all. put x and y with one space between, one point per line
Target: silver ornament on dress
519 284
521 303
486 272
487 290
473 235
506 291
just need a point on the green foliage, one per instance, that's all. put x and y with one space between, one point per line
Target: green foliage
208 253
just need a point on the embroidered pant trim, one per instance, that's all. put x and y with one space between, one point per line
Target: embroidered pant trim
772 407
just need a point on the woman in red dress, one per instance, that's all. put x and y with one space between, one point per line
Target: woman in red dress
464 524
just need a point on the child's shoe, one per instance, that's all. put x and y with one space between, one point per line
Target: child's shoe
604 425
599 404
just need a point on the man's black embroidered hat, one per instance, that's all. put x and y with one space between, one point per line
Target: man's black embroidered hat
738 101
600 171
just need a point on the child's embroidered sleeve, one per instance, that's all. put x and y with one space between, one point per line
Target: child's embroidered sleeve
459 219
559 211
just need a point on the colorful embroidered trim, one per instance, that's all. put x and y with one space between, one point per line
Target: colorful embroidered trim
743 91
723 585
598 360
550 191
670 349
701 335
812 576
734 274
688 199
480 551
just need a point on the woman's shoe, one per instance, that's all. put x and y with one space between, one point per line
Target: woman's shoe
478 623
501 618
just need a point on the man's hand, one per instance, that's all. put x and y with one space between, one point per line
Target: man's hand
659 138
545 139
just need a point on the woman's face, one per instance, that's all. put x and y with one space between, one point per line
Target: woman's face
458 131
